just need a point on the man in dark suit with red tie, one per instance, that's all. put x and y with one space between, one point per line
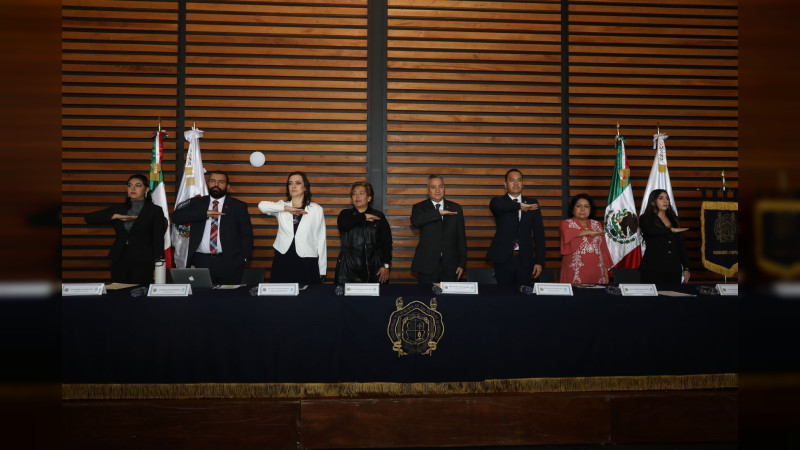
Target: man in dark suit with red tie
441 253
518 248
221 234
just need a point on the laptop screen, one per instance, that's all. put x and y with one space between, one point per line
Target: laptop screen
197 278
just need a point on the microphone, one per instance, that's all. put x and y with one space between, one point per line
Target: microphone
254 291
437 290
527 290
139 291
339 290
613 290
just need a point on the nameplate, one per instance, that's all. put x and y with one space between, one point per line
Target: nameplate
68 289
364 289
459 287
728 289
169 290
553 289
638 290
279 289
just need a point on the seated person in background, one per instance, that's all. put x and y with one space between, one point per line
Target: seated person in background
366 240
301 249
583 245
139 226
665 258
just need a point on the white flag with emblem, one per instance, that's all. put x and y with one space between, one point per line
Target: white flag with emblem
193 184
659 174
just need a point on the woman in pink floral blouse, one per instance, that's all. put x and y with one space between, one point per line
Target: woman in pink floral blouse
583 245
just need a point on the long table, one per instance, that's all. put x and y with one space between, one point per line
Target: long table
229 336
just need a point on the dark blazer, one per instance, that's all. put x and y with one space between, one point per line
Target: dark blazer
529 230
447 238
235 231
665 251
146 238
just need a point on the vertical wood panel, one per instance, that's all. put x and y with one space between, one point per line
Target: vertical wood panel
119 75
288 80
645 64
474 88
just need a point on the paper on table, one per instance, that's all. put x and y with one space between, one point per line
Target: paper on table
675 294
228 286
115 286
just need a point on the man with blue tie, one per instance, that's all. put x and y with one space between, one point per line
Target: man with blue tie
518 248
441 253
220 233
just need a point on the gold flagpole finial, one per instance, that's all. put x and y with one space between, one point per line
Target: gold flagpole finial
159 124
724 183
658 127
194 125
617 129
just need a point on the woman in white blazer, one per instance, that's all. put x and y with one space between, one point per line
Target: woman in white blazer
301 249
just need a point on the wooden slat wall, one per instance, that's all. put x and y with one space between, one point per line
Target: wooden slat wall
119 74
474 88
644 64
288 80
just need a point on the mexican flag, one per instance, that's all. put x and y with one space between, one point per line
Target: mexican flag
158 191
621 222
659 174
193 184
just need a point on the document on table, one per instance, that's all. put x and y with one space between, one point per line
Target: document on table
675 294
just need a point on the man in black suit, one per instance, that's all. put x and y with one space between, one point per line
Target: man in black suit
221 235
518 247
441 253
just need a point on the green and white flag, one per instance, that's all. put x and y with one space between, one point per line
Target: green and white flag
621 222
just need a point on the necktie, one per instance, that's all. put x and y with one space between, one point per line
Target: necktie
212 236
519 217
439 205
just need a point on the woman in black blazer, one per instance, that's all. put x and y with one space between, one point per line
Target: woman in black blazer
665 258
140 226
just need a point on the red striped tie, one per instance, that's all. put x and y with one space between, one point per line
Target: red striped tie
212 241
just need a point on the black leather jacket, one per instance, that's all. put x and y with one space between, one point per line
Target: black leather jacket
365 246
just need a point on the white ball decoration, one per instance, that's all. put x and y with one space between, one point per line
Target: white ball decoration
257 159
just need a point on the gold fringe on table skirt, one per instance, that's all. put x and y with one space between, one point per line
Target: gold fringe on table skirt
330 390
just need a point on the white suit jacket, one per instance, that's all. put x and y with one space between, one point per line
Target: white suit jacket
310 240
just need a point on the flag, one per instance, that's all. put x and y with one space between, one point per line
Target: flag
659 174
193 184
621 222
157 190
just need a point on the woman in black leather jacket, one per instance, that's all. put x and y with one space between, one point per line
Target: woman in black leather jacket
366 240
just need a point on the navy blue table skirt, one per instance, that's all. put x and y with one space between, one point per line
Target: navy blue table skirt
228 336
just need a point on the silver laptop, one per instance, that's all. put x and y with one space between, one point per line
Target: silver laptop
197 278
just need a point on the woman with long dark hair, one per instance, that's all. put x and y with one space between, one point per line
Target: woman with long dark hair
301 249
140 226
365 255
665 258
585 257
